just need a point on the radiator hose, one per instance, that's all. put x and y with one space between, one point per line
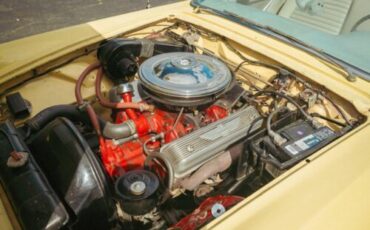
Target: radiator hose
47 115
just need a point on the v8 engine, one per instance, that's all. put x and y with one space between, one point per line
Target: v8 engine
172 85
174 142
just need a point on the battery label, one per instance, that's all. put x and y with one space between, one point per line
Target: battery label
309 141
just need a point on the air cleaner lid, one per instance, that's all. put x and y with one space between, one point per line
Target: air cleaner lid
184 75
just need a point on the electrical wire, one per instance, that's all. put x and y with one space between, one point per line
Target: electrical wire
339 110
250 61
328 119
269 119
285 97
281 69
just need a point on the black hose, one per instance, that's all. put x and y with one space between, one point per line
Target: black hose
339 110
328 119
47 115
10 139
271 115
14 138
286 97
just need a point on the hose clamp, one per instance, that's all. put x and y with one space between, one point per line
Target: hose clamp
84 105
147 48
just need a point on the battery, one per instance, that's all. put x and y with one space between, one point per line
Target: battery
304 139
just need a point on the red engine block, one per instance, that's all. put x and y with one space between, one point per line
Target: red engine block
130 155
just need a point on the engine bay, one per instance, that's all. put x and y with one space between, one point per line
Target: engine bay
173 133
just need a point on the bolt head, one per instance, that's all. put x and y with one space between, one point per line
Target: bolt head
137 188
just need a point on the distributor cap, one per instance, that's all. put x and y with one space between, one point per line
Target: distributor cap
184 79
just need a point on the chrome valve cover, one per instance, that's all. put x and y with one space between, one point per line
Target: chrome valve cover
186 154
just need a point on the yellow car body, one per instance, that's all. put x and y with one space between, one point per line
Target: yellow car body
329 190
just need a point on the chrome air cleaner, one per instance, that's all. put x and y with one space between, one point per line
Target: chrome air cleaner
184 79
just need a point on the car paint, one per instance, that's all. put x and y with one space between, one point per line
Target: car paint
329 190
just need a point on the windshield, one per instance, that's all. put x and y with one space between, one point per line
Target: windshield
340 29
